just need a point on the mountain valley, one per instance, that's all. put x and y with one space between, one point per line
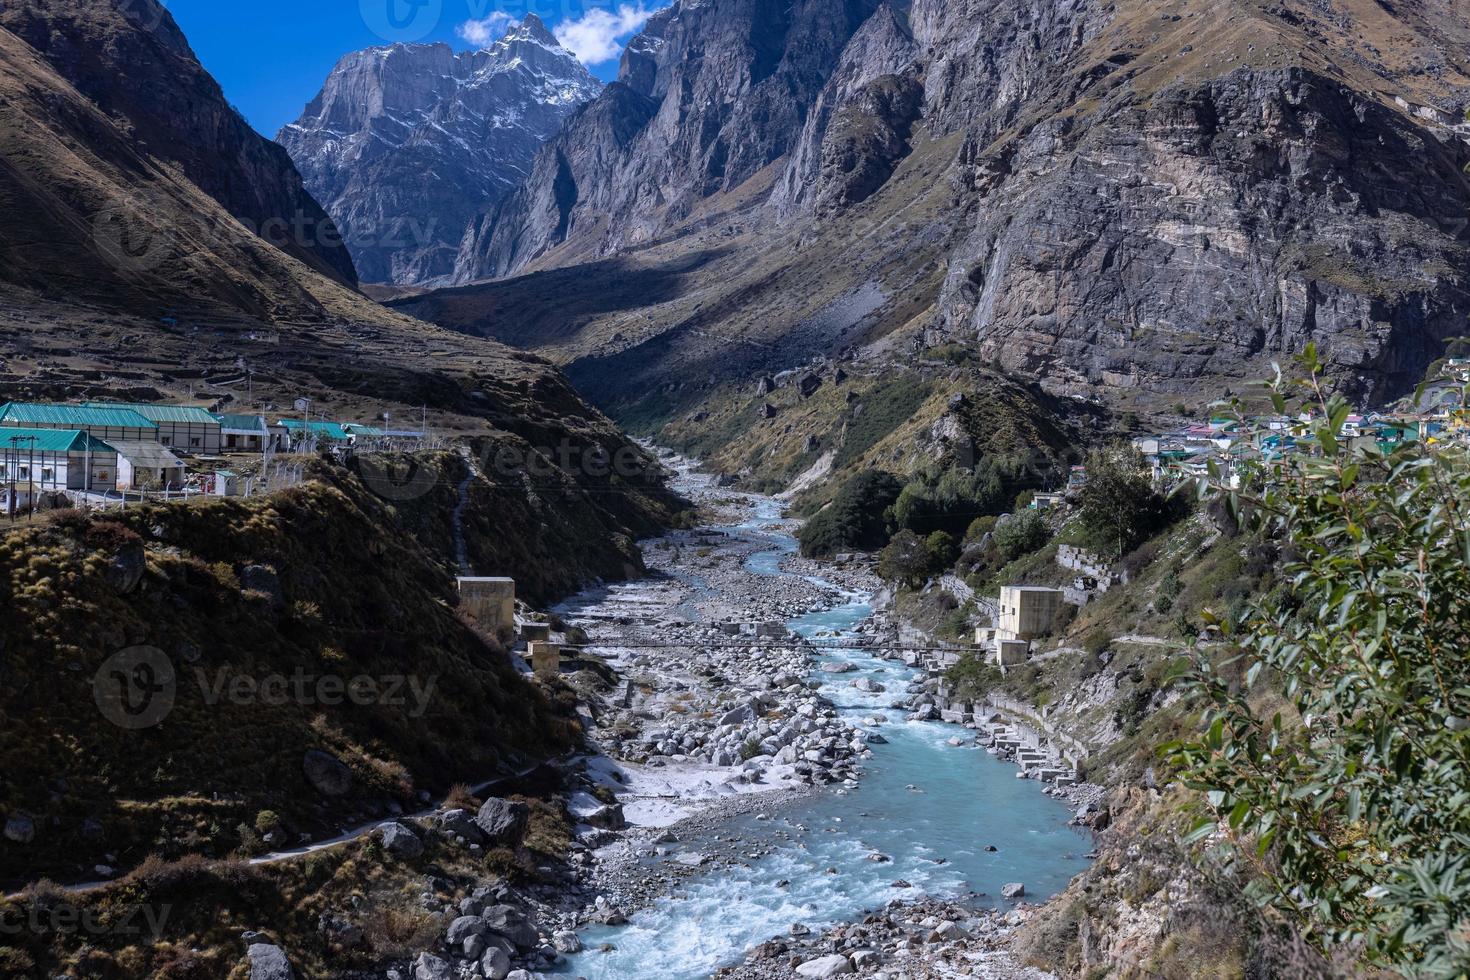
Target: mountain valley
896 488
1130 200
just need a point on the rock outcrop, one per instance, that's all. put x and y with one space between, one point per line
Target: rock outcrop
269 962
503 822
708 96
1176 238
1099 196
406 145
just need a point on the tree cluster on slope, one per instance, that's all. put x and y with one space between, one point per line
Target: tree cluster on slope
1334 754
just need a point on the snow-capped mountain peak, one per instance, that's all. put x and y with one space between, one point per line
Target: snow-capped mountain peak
406 144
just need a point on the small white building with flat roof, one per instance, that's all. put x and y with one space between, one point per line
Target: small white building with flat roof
1028 611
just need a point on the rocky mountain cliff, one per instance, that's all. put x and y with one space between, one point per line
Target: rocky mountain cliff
707 97
1131 199
405 145
131 62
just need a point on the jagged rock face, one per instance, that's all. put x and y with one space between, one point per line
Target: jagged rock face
987 63
1246 216
539 214
406 145
866 140
134 63
1119 197
873 133
708 96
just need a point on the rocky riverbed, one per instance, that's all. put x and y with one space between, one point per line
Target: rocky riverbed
732 745
918 940
715 716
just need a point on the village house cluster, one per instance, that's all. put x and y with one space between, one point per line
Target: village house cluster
1186 454
102 450
1433 416
1025 613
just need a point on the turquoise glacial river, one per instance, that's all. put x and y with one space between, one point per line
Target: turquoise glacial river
936 832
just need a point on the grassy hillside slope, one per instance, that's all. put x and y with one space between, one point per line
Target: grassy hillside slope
317 582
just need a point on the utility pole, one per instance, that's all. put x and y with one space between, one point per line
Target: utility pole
31 479
10 465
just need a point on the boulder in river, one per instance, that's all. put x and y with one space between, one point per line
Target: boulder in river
835 965
1013 890
511 922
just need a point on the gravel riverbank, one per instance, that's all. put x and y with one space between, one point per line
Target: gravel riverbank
713 720
713 716
713 725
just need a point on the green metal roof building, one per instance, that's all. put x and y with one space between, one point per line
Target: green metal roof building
56 459
83 417
324 430
99 423
241 423
161 413
181 427
52 440
244 433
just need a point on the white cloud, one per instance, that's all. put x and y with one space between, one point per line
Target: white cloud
598 35
481 32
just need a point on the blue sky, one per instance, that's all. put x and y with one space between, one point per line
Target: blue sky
271 56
